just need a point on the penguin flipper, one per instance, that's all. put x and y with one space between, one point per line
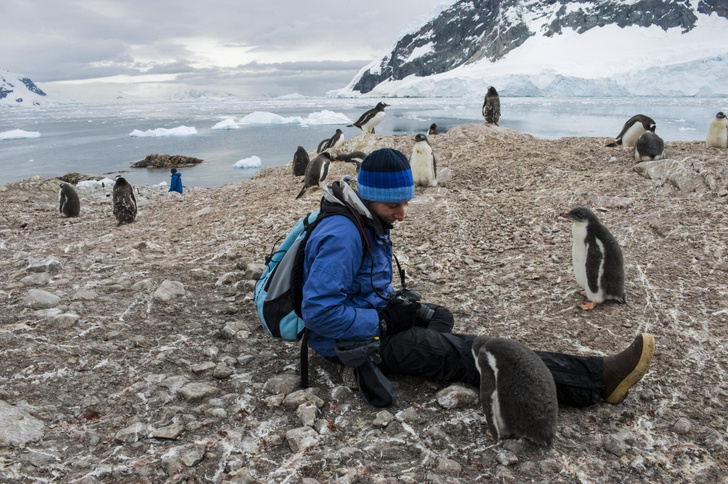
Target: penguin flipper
594 258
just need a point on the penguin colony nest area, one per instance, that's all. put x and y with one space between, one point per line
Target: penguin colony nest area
147 363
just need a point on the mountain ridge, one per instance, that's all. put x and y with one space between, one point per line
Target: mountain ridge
490 35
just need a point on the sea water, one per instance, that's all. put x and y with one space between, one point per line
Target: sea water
96 138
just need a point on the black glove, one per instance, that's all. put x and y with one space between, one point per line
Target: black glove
398 316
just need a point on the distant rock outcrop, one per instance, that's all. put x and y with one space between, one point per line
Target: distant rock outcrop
166 161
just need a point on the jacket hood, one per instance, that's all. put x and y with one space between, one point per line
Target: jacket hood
342 195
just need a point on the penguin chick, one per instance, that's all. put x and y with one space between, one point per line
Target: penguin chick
300 161
491 106
423 163
517 390
718 132
597 259
316 172
370 119
68 201
432 130
635 127
649 147
123 201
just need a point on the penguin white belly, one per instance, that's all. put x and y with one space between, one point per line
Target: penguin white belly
498 421
422 169
369 125
717 134
578 254
632 135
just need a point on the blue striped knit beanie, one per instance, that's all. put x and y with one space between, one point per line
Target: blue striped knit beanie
385 176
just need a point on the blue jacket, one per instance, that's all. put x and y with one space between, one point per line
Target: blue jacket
344 283
176 183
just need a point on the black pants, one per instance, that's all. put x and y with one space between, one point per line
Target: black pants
438 354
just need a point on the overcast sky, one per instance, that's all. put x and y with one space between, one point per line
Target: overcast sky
248 48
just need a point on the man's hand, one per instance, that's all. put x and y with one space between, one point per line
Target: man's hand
398 316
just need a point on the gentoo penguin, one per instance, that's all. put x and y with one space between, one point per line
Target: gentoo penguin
335 140
422 161
491 106
69 204
432 130
597 259
316 172
718 132
517 390
649 147
300 161
370 119
124 202
633 129
354 159
322 145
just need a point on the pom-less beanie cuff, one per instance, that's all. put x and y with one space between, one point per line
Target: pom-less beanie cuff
385 176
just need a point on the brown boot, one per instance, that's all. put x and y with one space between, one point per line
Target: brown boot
624 369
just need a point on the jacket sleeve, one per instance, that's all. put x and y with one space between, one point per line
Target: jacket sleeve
333 257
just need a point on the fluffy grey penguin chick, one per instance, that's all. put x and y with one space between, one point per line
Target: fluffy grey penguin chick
517 390
649 147
300 161
68 202
123 201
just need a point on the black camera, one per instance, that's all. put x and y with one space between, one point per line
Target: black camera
408 296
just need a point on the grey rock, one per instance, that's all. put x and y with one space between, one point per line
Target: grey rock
682 426
84 295
282 384
174 383
614 445
222 371
383 419
36 279
170 432
506 457
298 397
44 265
456 396
302 438
448 467
254 271
17 426
227 279
196 391
178 458
39 299
143 285
307 412
132 433
169 290
64 321
203 367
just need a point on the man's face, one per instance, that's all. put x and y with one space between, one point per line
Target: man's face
391 212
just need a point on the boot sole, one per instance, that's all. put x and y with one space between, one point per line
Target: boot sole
648 351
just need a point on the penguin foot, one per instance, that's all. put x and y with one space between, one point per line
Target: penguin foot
623 370
588 306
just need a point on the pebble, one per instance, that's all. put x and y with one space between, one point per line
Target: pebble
302 438
40 299
195 391
456 396
169 290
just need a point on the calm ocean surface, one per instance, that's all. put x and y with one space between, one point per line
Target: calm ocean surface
95 138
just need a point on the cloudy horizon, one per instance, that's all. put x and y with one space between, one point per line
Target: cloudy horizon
89 49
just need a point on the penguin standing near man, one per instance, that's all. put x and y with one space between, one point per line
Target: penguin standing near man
353 160
423 163
597 259
370 119
649 147
635 127
491 106
124 201
718 132
68 201
517 390
316 172
300 161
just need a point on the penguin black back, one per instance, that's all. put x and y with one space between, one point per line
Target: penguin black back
491 106
124 201
300 161
68 201
517 390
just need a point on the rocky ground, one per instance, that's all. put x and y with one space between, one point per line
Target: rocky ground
133 353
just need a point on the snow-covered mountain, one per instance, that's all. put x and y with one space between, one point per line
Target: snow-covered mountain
17 89
557 48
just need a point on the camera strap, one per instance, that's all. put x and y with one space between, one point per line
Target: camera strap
400 271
